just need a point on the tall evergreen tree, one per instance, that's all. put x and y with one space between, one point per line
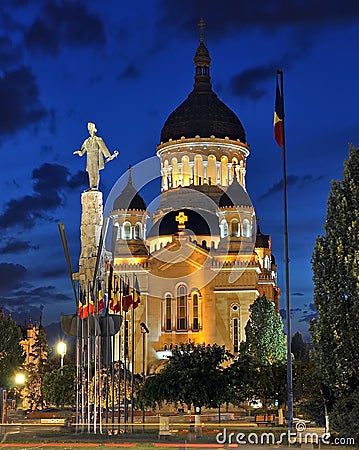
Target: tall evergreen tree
265 340
37 368
11 352
335 265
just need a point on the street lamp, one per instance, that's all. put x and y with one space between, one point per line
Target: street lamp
19 381
61 350
144 331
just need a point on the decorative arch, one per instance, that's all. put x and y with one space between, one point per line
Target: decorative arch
126 231
175 173
198 170
186 171
212 170
246 228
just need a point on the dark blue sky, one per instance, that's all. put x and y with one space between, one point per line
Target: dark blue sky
126 66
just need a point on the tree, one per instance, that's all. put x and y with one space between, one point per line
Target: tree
260 368
265 340
299 347
335 265
11 351
59 389
194 375
36 369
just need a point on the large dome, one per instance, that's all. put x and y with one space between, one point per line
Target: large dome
202 113
205 115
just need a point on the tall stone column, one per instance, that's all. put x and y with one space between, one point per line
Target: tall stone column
91 225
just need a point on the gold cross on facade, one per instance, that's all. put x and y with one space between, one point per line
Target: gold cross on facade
181 219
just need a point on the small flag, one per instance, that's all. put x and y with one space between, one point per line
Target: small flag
84 304
127 299
91 303
80 304
116 297
278 116
100 299
137 294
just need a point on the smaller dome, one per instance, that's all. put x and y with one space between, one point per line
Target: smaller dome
235 196
129 198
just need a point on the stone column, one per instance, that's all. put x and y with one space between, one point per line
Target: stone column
91 224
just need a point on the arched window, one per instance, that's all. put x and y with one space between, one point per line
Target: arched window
126 230
211 170
186 171
235 334
246 228
137 232
234 228
195 311
182 308
168 312
224 171
224 228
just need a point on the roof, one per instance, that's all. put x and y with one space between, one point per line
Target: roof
129 198
202 113
235 196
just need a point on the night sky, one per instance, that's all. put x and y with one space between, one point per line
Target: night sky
126 66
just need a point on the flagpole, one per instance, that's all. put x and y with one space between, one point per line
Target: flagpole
132 351
286 265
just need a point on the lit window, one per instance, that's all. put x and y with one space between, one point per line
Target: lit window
224 228
126 230
246 228
168 313
195 302
235 335
182 308
138 231
234 228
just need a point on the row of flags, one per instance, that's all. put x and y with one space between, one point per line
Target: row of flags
119 296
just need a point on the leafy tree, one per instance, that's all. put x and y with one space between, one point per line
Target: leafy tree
11 352
60 389
260 369
335 265
194 375
265 340
36 369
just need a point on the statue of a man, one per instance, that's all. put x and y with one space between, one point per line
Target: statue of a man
96 151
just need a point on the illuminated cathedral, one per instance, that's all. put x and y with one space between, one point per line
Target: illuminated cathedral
203 260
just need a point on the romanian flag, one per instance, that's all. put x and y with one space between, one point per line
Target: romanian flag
91 304
100 299
127 299
137 294
83 307
116 297
278 116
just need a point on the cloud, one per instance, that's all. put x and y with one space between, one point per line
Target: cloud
50 181
65 23
15 246
20 100
11 276
297 294
248 83
298 182
230 16
130 72
309 315
10 54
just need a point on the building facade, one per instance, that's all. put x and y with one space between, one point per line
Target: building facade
203 260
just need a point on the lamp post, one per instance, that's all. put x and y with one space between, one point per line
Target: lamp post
61 350
19 381
144 331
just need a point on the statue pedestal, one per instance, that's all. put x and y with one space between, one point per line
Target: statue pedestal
91 225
